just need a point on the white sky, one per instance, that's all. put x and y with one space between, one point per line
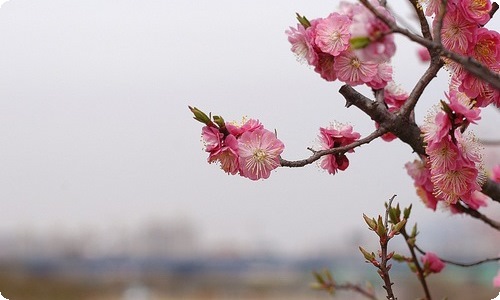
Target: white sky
95 130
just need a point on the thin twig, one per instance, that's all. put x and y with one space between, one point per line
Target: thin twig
424 25
420 272
318 154
476 214
356 288
487 260
439 22
384 268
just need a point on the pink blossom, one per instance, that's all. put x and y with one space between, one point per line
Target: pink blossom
332 34
477 11
302 41
432 263
463 107
353 70
324 67
332 138
420 172
452 184
249 125
382 77
476 200
259 152
496 280
212 138
365 24
457 33
394 95
226 155
485 48
437 125
424 54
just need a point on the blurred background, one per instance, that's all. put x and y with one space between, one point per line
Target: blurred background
104 187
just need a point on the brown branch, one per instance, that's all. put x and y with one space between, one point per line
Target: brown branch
470 64
356 288
318 154
459 264
420 272
424 25
489 142
405 129
439 22
476 214
384 268
419 88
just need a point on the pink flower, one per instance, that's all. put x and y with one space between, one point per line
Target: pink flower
424 54
477 11
353 70
365 24
226 155
495 176
332 34
332 138
437 125
394 95
420 172
382 77
259 152
457 33
475 200
432 263
485 48
463 107
249 125
496 280
324 67
302 41
212 138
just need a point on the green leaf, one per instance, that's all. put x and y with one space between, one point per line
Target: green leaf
368 256
200 116
219 121
407 212
372 224
303 20
360 42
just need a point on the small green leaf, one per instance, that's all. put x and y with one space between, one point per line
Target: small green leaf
372 224
360 42
407 211
200 116
370 257
303 20
398 226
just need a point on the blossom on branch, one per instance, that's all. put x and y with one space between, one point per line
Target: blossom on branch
432 263
259 152
248 149
332 137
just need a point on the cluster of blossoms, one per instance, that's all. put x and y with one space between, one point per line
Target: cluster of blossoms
463 32
335 136
351 45
248 149
453 170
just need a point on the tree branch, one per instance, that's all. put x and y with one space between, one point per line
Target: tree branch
318 154
420 272
470 64
476 214
487 260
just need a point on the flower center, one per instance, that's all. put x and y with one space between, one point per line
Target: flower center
260 155
355 63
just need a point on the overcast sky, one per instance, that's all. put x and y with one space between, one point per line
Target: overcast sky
95 131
